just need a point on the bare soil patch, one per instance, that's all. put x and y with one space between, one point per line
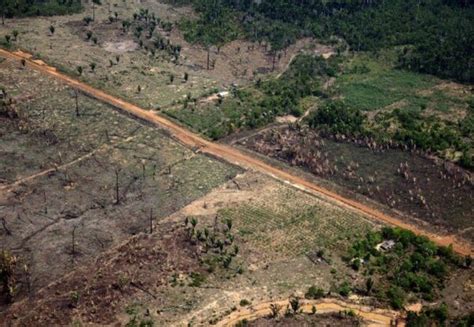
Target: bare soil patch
307 320
121 47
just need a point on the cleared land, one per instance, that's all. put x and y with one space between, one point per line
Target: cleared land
119 215
91 180
145 75
232 155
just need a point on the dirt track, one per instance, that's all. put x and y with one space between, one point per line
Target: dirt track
233 155
372 317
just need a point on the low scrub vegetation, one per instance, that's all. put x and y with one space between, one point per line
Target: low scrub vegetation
258 106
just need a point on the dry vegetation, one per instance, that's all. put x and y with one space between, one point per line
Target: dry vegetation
73 186
404 181
107 220
134 70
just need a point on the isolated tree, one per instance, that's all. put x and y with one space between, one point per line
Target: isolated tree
125 25
117 58
73 242
116 16
369 284
87 20
94 39
92 65
186 77
7 38
151 221
295 305
79 70
88 35
208 48
76 101
228 223
15 34
52 29
171 78
117 186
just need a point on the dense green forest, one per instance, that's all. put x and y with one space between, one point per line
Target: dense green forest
433 36
21 8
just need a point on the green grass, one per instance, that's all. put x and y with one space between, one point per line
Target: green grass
369 83
293 230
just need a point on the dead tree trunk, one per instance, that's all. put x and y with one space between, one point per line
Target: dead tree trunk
45 205
7 230
77 103
73 243
117 195
273 61
151 221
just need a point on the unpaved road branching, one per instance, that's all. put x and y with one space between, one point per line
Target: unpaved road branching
233 155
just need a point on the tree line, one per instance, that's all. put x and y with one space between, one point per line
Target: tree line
434 36
23 8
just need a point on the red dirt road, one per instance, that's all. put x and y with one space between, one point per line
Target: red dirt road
233 155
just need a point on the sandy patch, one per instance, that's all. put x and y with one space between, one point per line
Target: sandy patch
120 47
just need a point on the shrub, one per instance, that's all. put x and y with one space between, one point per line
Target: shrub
244 302
314 293
197 279
344 289
396 297
337 117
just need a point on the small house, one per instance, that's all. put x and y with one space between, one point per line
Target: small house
385 245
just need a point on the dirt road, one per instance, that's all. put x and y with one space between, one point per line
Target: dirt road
372 317
231 154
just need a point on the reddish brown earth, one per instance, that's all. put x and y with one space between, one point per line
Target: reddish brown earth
233 155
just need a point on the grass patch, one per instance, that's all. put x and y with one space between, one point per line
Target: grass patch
369 84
